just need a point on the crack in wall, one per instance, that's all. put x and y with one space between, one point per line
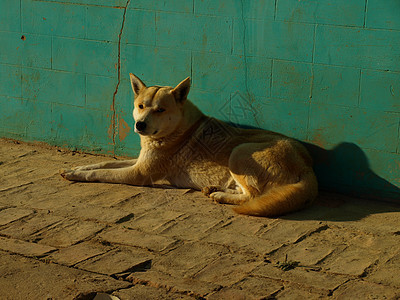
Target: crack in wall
114 115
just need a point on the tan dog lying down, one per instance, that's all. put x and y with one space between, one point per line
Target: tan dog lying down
262 172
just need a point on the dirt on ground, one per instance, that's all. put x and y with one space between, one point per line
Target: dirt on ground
65 240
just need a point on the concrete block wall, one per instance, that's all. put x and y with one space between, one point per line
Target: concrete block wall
324 72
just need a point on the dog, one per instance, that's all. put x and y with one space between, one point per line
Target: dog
262 173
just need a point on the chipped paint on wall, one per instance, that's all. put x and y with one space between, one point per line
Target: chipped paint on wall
123 129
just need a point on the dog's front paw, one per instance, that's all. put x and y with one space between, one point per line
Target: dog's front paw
208 190
67 174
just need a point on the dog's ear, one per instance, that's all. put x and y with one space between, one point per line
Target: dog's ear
181 91
136 84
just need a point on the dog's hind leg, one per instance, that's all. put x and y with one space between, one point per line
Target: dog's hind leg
228 198
208 190
115 164
246 172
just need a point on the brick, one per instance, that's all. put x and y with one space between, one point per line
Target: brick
155 220
54 19
289 232
108 196
273 39
36 51
84 56
227 73
214 71
23 229
55 185
258 76
125 97
308 252
25 275
33 51
9 109
286 117
365 128
191 202
140 27
13 187
24 248
383 14
291 80
189 258
148 292
53 86
245 241
185 6
212 33
10 76
9 215
259 9
139 203
178 283
380 90
341 167
249 288
136 238
388 174
352 47
387 272
304 277
98 214
38 127
388 223
117 261
200 223
98 16
336 85
99 91
359 289
79 127
295 292
67 233
11 48
354 260
201 98
342 12
145 62
110 3
227 270
10 15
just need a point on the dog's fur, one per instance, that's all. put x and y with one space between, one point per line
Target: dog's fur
263 173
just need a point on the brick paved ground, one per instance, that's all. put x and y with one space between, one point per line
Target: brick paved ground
63 240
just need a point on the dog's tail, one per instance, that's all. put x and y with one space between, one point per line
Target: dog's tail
282 199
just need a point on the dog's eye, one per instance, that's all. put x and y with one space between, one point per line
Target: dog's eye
160 110
141 106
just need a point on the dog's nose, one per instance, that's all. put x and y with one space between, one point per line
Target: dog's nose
140 126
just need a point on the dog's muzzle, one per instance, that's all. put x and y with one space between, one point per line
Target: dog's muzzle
140 126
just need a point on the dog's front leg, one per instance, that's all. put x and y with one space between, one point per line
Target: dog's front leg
108 165
129 175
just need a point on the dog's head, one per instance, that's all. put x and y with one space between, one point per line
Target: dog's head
158 110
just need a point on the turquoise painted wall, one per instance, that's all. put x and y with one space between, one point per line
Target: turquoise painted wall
325 72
